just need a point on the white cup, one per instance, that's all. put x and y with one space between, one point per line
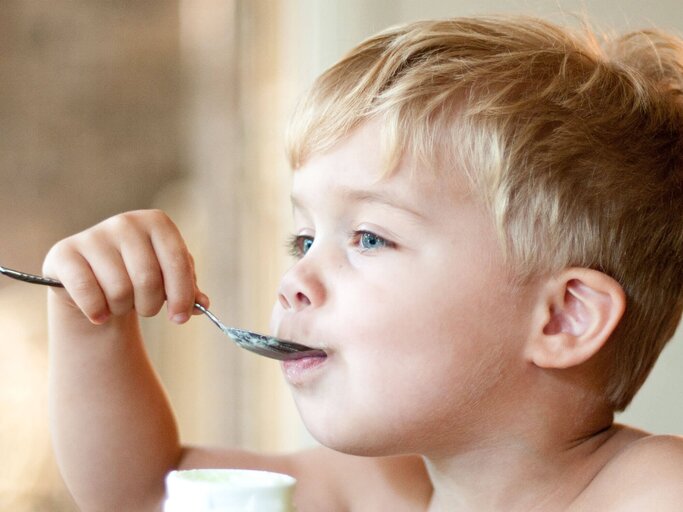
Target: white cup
228 490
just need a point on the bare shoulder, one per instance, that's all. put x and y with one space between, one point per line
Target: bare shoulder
362 484
645 474
332 481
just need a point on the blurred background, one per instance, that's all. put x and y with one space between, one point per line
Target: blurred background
180 105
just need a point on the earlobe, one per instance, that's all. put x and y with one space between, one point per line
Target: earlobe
577 312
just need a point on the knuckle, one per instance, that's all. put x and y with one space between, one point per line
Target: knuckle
148 280
119 291
157 213
141 220
57 248
155 216
59 252
121 222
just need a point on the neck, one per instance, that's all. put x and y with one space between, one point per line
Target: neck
542 468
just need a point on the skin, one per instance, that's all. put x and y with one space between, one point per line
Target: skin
446 387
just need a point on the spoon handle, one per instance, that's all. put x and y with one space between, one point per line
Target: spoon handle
30 278
48 281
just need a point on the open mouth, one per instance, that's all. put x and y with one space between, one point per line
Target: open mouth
293 351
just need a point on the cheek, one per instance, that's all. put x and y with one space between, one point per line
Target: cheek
419 358
416 343
423 314
431 333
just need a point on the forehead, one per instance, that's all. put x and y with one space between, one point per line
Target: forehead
357 166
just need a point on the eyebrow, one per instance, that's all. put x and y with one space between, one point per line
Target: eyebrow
367 196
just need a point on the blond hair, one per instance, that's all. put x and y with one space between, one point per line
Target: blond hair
574 143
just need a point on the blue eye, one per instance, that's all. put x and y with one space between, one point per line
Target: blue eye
299 245
306 244
369 241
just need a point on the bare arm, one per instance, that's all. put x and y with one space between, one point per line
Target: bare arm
113 430
114 434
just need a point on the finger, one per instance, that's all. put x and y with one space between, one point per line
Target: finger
202 299
83 287
144 272
199 296
176 270
107 264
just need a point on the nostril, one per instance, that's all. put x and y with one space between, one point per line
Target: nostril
283 301
302 299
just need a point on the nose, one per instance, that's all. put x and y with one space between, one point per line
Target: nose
301 287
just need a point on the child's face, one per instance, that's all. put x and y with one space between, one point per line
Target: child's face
400 279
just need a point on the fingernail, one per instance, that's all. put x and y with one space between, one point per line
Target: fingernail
180 318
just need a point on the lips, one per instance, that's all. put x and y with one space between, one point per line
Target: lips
300 371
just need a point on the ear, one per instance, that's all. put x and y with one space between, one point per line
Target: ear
576 313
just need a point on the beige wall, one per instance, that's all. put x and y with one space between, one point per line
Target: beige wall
89 102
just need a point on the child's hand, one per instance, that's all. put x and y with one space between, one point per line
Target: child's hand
133 261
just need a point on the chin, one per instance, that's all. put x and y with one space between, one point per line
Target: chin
353 444
341 431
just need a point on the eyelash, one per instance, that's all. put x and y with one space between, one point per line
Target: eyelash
295 245
296 249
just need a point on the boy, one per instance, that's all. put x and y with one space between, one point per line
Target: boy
489 243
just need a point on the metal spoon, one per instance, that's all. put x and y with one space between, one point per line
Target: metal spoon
260 344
